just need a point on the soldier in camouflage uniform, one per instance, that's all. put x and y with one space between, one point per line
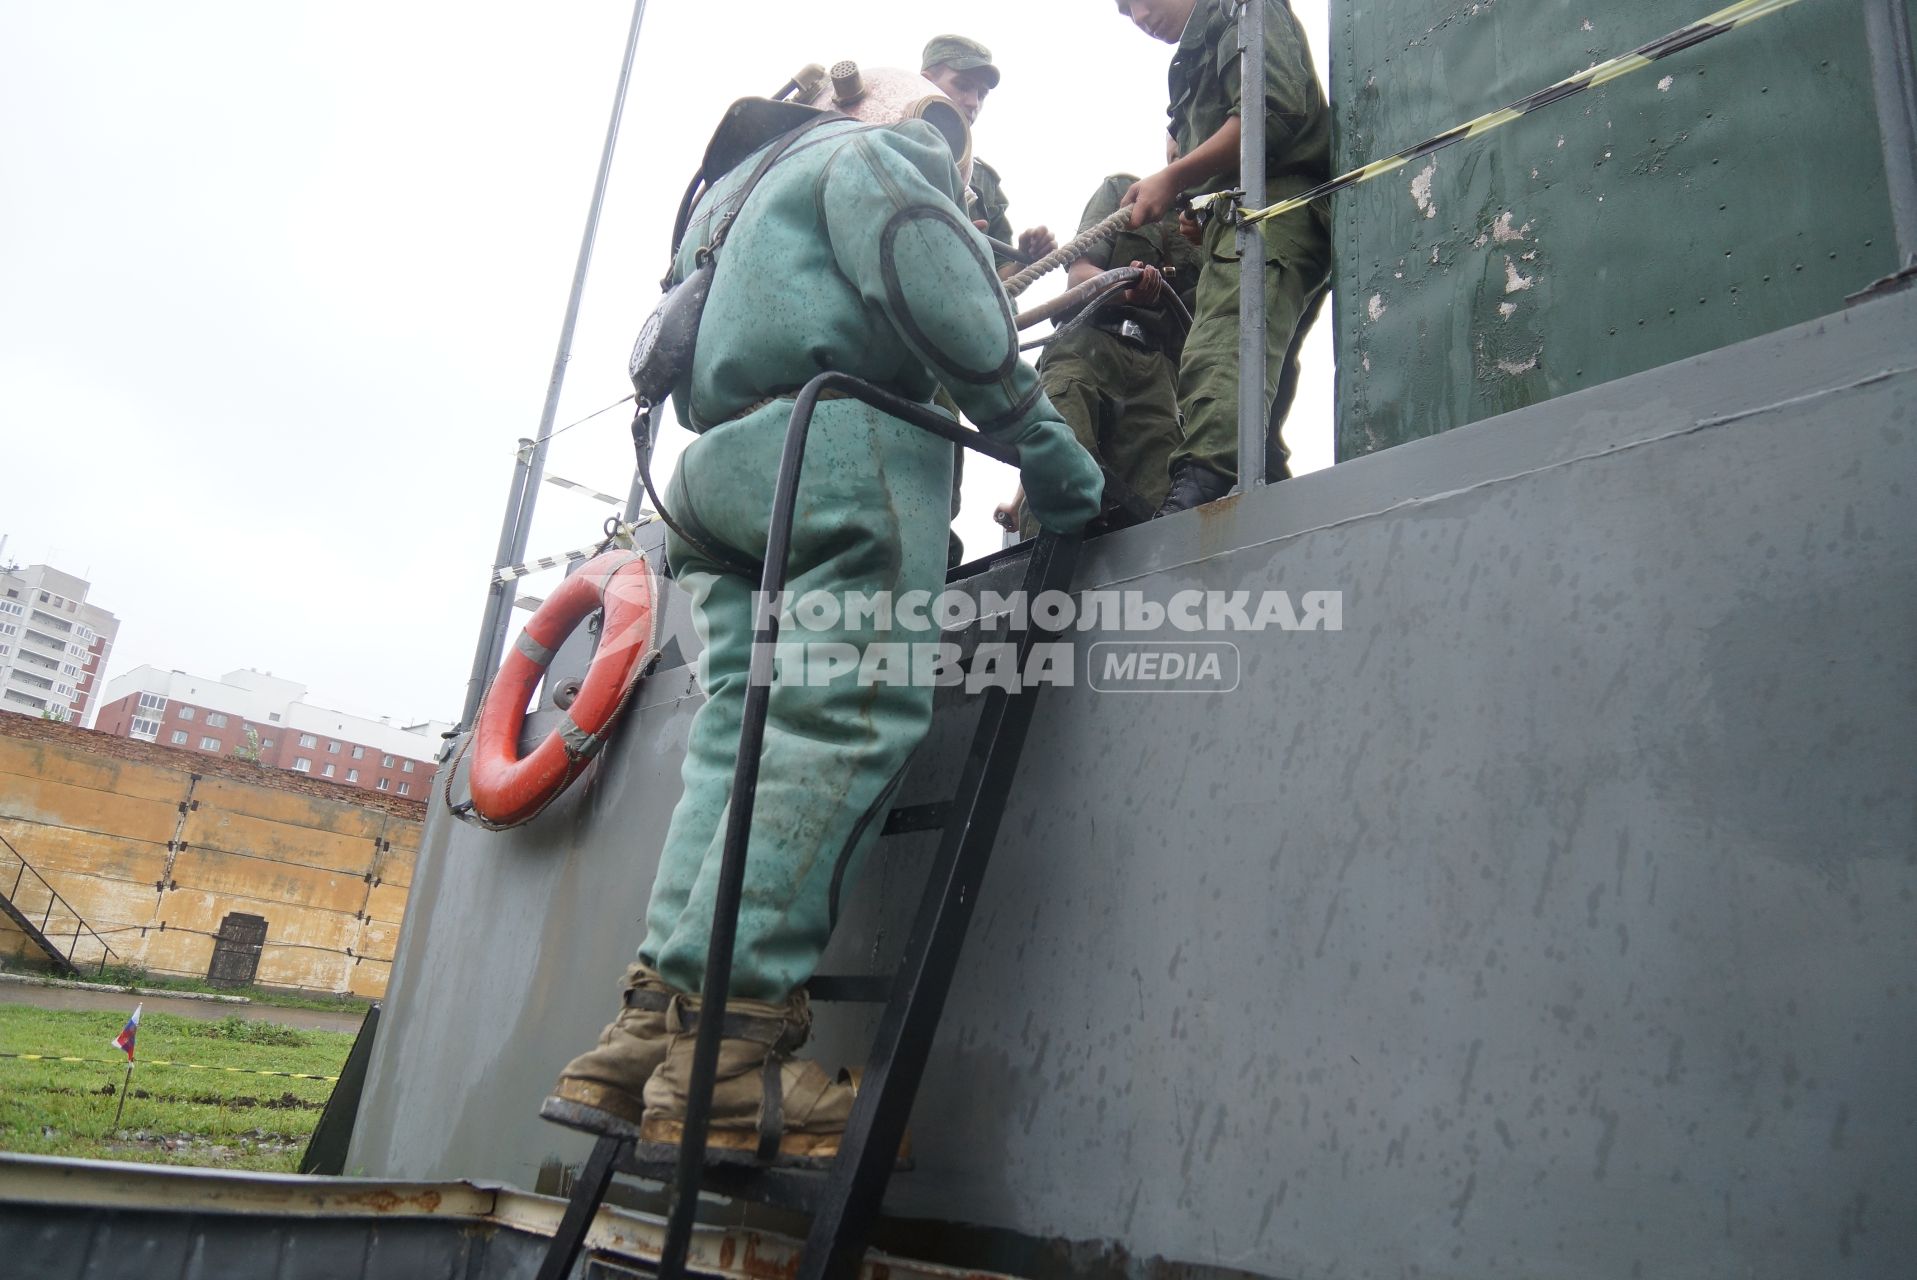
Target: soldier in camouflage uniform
1205 120
963 69
1114 378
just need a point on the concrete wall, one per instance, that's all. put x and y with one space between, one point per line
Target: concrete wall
1551 921
153 847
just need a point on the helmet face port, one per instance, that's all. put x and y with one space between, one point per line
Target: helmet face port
943 114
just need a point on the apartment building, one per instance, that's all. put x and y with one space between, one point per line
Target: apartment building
53 644
258 716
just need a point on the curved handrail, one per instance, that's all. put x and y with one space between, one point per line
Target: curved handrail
54 896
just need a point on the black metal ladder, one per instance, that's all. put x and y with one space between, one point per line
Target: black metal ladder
844 1200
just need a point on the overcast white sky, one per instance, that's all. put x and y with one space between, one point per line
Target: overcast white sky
280 286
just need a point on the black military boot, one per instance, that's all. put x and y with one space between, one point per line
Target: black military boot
1193 485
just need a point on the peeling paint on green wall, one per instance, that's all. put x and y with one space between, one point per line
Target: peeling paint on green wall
1724 193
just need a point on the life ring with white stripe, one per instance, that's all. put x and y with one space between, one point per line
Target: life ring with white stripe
508 789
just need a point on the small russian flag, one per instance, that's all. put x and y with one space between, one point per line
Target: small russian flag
132 1028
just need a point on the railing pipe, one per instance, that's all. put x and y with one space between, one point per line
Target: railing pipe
1253 420
498 594
563 355
530 466
1894 82
54 898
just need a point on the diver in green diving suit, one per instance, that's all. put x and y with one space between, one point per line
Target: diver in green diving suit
853 254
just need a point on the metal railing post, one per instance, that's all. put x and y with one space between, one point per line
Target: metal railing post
1253 427
532 459
498 594
563 356
1894 82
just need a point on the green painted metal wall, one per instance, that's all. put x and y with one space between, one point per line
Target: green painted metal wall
1725 192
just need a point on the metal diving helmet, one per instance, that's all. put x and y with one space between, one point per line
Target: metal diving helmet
888 95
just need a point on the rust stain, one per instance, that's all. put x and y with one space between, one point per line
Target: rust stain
1214 524
761 1267
384 1201
1213 510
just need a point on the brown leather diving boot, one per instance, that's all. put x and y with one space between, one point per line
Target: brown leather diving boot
766 1107
603 1089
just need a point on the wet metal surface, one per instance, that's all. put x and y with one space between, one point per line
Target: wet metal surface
96 1220
101 1220
1551 919
1669 213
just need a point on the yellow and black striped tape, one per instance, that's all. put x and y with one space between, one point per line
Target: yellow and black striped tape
163 1062
1730 18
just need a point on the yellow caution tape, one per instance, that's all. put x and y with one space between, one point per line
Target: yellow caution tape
163 1062
1716 24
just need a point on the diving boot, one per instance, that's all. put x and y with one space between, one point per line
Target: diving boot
603 1090
767 1108
1193 485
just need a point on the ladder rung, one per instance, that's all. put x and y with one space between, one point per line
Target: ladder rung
847 988
917 817
796 1189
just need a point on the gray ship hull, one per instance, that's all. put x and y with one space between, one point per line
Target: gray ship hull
1551 919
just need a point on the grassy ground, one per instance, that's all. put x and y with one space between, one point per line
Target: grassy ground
276 996
126 976
217 1118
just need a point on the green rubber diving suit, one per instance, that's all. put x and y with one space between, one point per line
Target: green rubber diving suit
852 254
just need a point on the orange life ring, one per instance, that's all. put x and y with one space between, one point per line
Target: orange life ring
508 790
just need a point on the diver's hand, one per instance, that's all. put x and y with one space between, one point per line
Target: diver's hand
1063 484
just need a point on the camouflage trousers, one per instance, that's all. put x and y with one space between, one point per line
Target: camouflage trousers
1120 399
1298 257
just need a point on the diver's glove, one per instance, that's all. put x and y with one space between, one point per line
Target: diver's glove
1063 484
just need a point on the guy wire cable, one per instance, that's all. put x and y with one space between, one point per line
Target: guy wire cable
582 421
1729 18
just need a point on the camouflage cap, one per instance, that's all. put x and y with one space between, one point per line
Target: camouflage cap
959 54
